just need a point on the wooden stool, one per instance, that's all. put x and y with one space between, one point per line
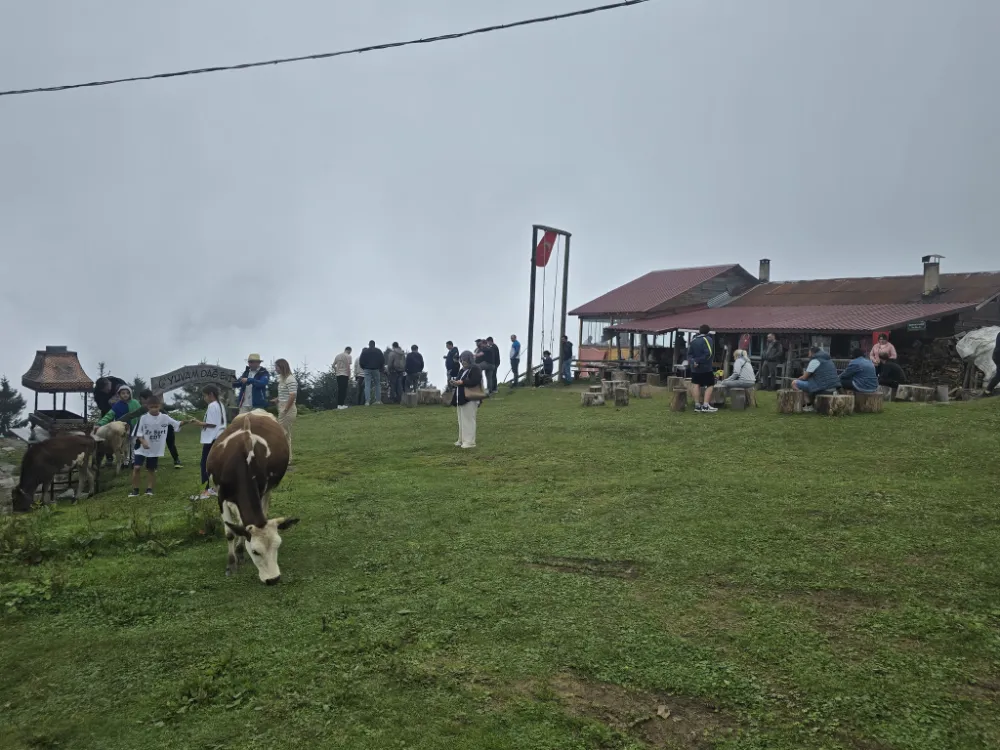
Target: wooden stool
640 390
591 399
738 399
868 403
916 393
409 399
838 405
790 401
678 399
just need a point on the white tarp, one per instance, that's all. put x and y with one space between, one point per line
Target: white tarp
978 346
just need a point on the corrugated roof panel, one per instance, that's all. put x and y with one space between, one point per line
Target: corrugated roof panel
650 291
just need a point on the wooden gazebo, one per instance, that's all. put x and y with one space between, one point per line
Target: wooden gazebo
57 370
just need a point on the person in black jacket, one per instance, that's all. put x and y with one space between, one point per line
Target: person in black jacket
566 365
372 361
104 389
995 380
451 361
493 352
414 366
470 376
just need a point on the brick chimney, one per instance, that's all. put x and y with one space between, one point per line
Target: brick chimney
932 274
764 274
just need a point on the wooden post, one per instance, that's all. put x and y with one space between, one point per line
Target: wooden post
409 399
565 289
942 393
531 306
608 389
790 401
678 400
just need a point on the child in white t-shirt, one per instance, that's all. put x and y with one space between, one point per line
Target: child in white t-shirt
211 428
151 433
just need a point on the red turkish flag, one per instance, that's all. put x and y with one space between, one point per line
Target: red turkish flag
544 250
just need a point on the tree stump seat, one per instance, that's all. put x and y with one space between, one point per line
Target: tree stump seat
835 405
678 399
591 399
868 403
640 390
790 401
915 393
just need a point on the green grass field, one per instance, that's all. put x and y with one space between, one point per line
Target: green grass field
586 578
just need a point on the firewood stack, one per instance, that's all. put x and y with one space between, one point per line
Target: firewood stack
936 362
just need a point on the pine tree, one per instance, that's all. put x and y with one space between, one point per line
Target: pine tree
138 386
11 405
324 391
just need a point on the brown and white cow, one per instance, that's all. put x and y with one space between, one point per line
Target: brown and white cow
247 461
57 455
113 437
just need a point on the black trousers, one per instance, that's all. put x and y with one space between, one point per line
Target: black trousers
514 365
995 380
172 444
342 382
361 390
205 448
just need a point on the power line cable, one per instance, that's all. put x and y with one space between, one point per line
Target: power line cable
339 53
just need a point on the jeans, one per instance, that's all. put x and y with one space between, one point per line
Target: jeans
514 365
490 372
360 382
172 444
205 448
373 377
768 375
342 381
567 371
396 387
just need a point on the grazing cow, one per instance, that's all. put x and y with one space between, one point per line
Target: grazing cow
57 455
247 461
114 439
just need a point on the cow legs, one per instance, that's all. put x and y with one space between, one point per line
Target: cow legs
235 543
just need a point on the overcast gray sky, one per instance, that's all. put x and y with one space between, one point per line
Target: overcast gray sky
298 209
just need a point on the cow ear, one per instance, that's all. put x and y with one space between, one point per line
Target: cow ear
285 523
238 530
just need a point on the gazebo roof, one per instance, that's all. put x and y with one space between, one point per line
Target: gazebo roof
56 370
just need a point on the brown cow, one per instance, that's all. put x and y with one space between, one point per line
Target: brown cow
247 461
57 455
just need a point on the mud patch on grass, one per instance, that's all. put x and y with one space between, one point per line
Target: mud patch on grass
588 566
656 720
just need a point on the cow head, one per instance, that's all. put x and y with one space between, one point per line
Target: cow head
262 542
21 499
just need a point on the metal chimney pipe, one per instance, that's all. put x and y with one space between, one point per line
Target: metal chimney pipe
764 274
932 274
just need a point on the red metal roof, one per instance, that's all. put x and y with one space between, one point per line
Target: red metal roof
796 318
650 291
884 290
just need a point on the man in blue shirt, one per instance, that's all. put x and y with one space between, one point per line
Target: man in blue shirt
515 357
859 375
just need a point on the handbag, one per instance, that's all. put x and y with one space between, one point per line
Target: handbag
474 393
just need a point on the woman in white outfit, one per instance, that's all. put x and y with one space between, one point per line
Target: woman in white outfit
288 389
466 396
743 375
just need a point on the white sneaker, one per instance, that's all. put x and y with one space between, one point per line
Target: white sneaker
467 447
708 409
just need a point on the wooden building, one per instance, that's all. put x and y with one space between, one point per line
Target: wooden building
837 314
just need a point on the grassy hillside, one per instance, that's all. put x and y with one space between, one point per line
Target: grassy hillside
586 578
